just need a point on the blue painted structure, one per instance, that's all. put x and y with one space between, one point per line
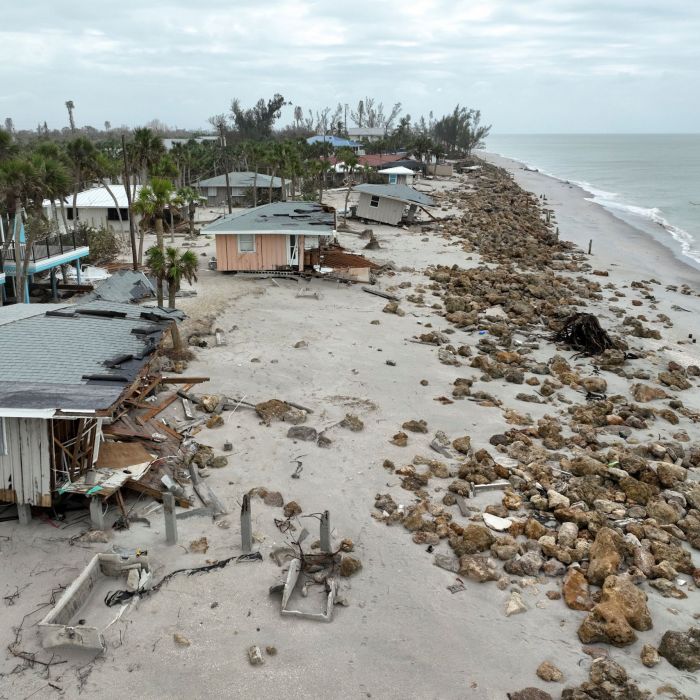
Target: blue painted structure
45 255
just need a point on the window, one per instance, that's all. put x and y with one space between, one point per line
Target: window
69 213
3 439
212 191
393 178
374 202
246 243
113 216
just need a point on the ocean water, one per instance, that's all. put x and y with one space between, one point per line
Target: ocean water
652 181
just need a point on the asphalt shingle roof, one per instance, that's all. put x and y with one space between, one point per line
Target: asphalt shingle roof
279 217
48 355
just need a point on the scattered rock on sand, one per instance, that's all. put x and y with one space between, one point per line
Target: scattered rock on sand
645 393
181 640
291 509
400 439
302 432
515 604
649 655
529 694
549 672
349 566
462 444
575 590
200 545
352 422
682 649
415 426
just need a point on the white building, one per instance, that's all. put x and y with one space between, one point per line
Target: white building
96 207
398 175
369 133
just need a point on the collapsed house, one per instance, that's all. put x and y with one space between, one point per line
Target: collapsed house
342 263
67 371
389 204
272 237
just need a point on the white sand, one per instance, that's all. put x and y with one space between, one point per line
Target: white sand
404 634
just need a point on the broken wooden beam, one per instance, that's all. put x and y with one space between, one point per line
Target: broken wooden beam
207 496
183 380
376 292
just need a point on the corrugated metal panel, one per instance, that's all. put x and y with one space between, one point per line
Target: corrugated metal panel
25 471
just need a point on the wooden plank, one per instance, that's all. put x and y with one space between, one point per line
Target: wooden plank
377 293
183 380
160 407
117 455
154 492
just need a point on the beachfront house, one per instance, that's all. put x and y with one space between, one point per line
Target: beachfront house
96 207
241 184
389 204
271 237
398 175
66 369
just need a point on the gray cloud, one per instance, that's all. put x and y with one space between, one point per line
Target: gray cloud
540 65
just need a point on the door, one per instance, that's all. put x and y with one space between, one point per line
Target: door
293 251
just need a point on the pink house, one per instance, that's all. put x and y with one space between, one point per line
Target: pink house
271 237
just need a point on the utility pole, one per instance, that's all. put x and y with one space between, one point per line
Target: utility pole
127 187
225 159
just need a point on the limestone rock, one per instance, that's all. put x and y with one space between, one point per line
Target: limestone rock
302 432
530 694
645 393
594 385
352 422
462 444
400 439
474 539
649 655
575 590
349 566
631 600
606 623
515 604
477 568
604 556
682 649
549 672
416 426
291 509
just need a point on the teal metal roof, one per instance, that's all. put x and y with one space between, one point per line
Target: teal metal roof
402 193
307 218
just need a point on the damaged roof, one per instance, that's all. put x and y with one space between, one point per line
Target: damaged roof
124 286
401 193
300 218
74 357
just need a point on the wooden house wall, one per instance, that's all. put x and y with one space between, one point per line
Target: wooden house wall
389 211
271 253
25 471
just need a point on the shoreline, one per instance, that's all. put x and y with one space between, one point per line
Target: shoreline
530 176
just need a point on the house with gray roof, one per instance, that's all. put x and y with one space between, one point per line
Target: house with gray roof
271 237
389 204
66 368
241 184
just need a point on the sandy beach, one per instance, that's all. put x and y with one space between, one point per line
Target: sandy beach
403 633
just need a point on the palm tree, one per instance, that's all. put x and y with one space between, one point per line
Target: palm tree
82 155
190 197
171 266
151 203
20 185
70 106
147 149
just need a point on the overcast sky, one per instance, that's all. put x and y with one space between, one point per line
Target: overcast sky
530 65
